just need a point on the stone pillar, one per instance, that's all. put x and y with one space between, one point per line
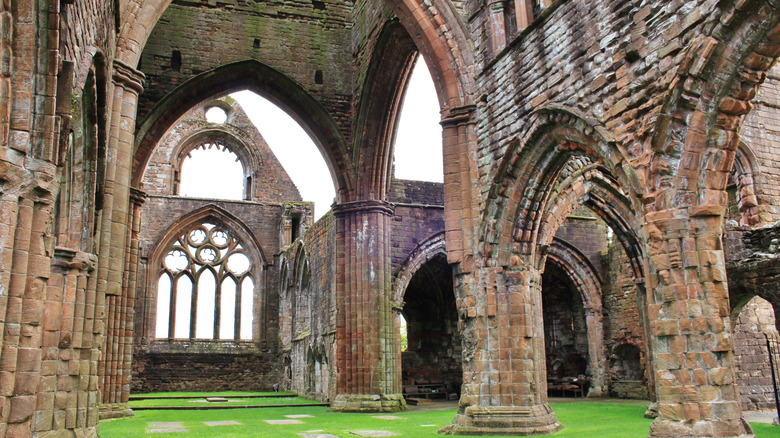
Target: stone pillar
460 184
497 23
525 13
116 363
111 303
367 358
690 328
597 355
504 375
128 84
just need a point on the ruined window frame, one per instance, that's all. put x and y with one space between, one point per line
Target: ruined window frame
198 263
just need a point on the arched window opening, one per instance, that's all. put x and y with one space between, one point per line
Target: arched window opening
211 170
418 143
289 142
215 258
216 114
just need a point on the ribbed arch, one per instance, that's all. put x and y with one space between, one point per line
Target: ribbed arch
561 147
379 109
420 255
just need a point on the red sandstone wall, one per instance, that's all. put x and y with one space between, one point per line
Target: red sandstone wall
419 215
761 134
293 37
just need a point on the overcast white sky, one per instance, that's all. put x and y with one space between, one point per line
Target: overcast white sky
418 153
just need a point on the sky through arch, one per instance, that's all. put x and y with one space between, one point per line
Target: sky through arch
418 153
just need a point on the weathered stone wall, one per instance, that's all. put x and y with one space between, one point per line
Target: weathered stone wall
307 311
211 371
309 44
761 135
586 232
418 216
623 327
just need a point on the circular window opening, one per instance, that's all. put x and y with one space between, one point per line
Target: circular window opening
216 114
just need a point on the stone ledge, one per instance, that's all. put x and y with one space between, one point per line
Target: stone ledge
115 410
368 403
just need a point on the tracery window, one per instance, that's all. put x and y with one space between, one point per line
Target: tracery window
205 288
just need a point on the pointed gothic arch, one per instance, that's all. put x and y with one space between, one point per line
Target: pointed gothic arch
264 80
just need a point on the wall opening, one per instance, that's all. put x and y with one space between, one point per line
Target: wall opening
431 363
212 170
418 143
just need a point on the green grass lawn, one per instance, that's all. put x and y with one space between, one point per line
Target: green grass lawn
253 401
209 394
581 419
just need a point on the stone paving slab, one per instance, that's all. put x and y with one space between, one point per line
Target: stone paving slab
317 435
166 427
284 421
372 433
388 417
299 416
222 423
166 424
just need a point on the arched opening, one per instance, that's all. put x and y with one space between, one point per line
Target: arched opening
754 323
565 335
431 363
212 170
418 153
288 141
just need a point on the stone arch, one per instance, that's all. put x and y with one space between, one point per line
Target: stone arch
583 276
250 160
742 177
424 252
594 188
440 35
562 151
726 66
377 119
139 19
258 77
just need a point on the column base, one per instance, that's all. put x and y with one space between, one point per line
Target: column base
115 410
86 432
368 403
717 428
504 420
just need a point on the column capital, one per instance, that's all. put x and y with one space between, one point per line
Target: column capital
137 196
458 115
128 77
367 206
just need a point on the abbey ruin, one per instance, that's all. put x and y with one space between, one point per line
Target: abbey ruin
611 189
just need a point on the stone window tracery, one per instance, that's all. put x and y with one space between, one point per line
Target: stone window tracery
206 285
